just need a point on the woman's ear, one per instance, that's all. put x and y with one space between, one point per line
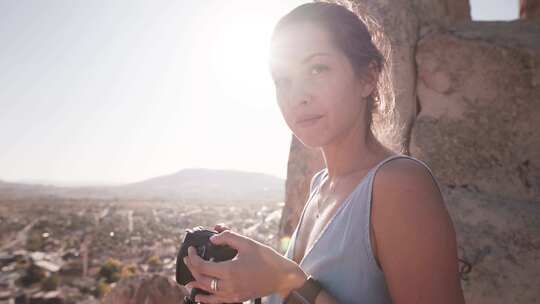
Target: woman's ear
368 81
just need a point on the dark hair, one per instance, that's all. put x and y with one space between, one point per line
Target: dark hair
351 35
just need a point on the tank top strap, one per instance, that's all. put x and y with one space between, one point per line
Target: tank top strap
390 158
315 181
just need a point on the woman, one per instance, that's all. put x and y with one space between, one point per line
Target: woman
375 228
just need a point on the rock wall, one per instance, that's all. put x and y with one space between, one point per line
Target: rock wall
500 238
479 98
479 95
529 9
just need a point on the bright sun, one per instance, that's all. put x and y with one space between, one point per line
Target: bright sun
238 58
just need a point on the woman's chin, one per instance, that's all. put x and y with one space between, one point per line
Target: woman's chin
311 141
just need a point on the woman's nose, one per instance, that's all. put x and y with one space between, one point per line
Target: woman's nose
300 93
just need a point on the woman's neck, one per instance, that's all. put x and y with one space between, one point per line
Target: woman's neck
356 150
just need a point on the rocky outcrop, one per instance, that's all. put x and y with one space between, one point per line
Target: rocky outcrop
458 10
148 289
501 240
529 9
441 12
479 96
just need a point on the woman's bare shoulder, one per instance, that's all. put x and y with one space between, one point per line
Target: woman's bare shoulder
403 173
405 193
414 234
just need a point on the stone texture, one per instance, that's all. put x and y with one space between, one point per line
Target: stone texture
529 9
501 239
146 289
480 101
479 95
458 10
444 12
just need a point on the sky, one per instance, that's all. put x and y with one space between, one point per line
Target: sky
118 91
494 9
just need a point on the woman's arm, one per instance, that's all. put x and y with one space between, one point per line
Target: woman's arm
415 240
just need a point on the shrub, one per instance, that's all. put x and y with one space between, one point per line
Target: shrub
34 242
110 270
33 274
102 288
128 271
154 262
50 283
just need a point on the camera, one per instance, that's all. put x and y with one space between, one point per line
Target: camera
199 238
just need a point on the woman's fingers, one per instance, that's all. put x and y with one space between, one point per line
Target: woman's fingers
221 227
201 281
205 282
221 292
231 239
213 269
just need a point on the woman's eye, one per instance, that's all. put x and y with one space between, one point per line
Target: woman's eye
318 68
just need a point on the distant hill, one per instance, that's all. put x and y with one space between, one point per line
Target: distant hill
204 185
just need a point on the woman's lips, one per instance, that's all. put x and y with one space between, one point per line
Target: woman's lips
306 122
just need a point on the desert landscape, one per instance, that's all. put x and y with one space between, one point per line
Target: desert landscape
57 249
74 251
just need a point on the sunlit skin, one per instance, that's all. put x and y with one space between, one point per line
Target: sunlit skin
412 236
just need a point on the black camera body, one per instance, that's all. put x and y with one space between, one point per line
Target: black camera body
199 238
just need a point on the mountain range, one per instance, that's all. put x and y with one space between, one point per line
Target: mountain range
195 184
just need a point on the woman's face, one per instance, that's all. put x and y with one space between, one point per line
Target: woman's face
317 90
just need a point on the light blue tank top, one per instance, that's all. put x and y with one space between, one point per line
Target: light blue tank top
341 258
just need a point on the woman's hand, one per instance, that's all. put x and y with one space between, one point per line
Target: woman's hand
256 271
221 227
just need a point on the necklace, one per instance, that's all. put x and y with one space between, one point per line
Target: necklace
333 191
